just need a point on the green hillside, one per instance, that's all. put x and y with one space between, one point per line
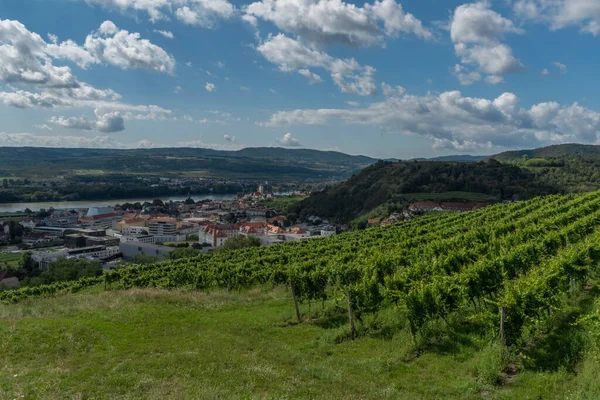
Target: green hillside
386 182
559 150
249 163
424 298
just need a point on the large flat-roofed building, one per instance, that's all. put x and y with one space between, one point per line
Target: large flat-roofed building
132 249
163 226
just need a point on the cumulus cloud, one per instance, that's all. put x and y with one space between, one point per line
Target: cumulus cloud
562 67
43 127
322 22
476 32
465 77
229 138
559 14
203 13
311 76
389 90
291 55
127 50
106 123
210 87
452 120
288 140
167 34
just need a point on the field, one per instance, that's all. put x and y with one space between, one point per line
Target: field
9 260
154 344
499 303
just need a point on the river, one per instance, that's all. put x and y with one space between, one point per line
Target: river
61 205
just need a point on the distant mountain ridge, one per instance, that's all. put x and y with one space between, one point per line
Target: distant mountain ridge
559 150
264 163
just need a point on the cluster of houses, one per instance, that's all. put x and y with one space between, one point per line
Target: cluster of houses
107 234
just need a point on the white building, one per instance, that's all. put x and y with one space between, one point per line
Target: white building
164 226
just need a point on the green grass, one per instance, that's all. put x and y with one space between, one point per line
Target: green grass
153 344
9 260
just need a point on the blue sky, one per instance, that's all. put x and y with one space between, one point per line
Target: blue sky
385 78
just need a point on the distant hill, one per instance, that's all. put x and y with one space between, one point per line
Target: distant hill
559 150
249 163
387 182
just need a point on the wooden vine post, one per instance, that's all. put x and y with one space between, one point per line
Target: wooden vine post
351 314
502 337
295 302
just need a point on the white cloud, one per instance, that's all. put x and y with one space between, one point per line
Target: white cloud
559 14
458 122
334 21
167 34
311 76
106 123
561 67
288 140
476 32
188 64
43 127
219 64
291 55
545 72
177 89
466 77
229 138
244 89
204 13
210 87
126 50
389 90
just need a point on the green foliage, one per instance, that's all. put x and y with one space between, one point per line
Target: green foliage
65 269
398 184
142 259
183 252
241 242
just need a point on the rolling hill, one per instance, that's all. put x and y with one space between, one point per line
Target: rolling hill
248 163
386 182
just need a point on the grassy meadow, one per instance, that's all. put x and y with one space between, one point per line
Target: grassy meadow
157 344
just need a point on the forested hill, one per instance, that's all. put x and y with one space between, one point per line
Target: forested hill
386 182
249 163
560 150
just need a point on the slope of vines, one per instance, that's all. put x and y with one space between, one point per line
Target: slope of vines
526 257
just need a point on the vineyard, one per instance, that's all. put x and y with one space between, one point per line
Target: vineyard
527 258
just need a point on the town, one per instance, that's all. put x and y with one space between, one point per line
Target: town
128 232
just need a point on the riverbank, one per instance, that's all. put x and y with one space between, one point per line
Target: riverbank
64 205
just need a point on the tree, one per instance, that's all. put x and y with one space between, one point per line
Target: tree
5 183
183 252
241 242
65 269
27 264
193 236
